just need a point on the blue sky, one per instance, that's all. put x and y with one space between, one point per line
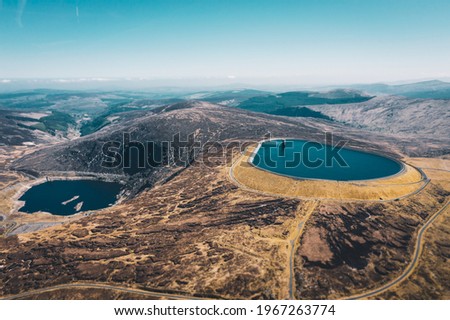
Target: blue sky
279 41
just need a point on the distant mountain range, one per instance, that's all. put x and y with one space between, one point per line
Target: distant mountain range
214 92
433 89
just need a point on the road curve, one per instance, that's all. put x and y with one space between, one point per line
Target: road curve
101 286
409 270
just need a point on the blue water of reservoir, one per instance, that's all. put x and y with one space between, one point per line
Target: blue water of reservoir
312 160
67 197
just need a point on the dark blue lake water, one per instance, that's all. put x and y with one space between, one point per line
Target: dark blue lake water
310 160
67 197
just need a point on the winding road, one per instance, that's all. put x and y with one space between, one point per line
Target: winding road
413 264
292 244
291 261
101 286
417 249
293 241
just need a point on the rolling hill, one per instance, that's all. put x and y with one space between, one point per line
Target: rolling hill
283 103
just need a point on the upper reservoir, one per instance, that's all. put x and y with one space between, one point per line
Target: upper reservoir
67 197
312 160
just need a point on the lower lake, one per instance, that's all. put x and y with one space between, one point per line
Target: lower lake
67 197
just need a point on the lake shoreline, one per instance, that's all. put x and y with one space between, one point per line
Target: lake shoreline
389 160
26 186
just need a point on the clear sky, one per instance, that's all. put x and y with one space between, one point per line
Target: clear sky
291 41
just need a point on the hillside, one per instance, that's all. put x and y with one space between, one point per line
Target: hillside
395 115
230 98
274 102
433 89
204 121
